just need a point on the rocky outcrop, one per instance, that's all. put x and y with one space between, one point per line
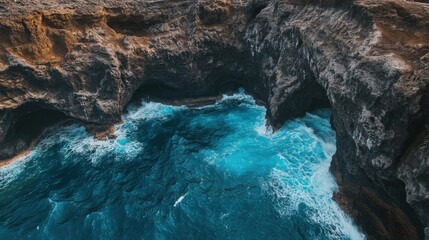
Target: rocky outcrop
367 59
370 58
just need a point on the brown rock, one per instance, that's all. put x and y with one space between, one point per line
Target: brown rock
367 59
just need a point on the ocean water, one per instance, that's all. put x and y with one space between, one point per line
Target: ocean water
214 172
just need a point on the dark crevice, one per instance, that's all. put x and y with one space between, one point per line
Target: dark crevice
148 91
229 87
416 135
256 10
319 102
59 24
134 25
5 34
209 16
416 131
30 122
396 191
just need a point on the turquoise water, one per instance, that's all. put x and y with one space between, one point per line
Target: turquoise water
214 172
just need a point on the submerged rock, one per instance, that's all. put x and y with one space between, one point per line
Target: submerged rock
367 59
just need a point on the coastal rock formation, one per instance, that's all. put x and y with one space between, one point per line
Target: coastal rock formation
371 60
367 59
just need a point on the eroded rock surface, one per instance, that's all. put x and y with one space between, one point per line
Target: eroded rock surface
367 59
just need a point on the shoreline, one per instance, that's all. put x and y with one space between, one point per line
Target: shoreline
15 158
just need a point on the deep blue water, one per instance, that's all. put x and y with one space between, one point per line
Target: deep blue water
213 172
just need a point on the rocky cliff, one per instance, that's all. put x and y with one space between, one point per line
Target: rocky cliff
367 59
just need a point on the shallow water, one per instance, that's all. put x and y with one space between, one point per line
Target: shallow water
214 172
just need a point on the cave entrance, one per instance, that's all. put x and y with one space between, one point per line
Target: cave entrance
30 122
164 93
320 100
308 97
157 91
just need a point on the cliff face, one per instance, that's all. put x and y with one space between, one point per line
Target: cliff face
367 59
371 59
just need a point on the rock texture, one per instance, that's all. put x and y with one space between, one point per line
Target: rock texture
367 59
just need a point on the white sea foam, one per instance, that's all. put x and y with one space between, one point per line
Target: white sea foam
11 172
180 199
263 129
150 110
74 140
315 193
242 98
312 187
